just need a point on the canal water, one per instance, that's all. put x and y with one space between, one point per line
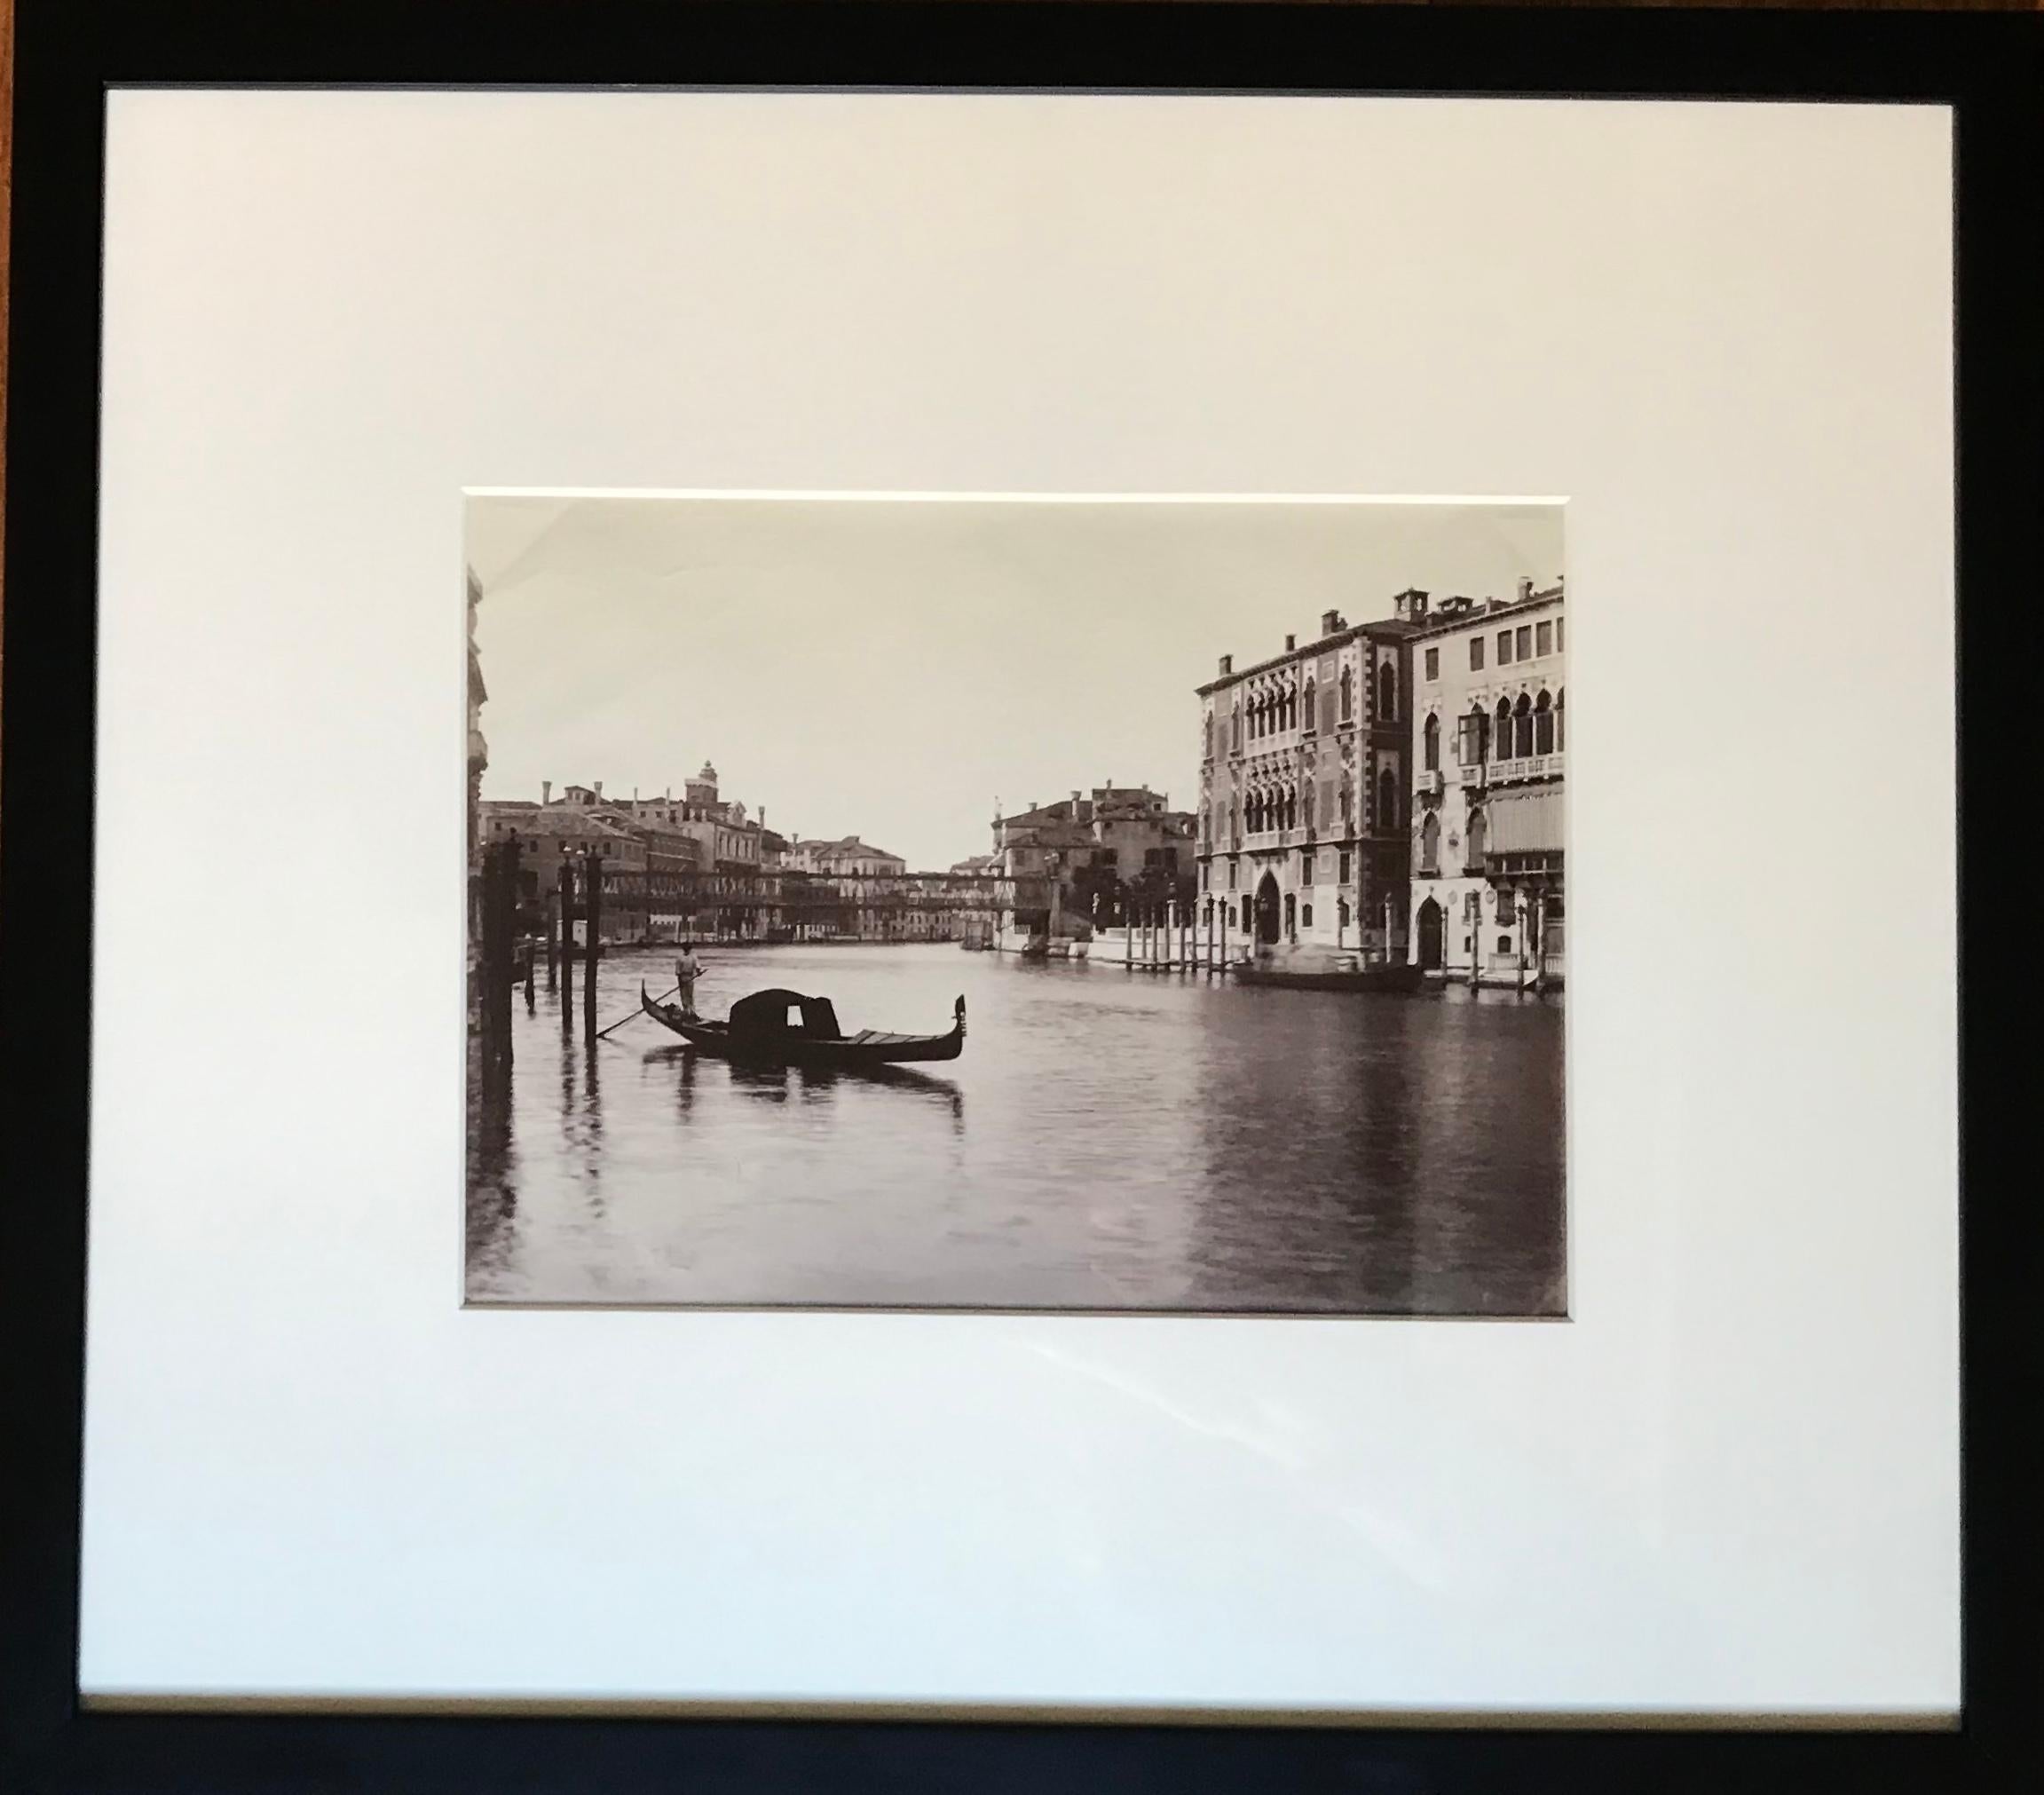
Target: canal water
1108 1140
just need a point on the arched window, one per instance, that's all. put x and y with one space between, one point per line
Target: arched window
1347 693
1386 693
1234 834
1522 731
1560 734
1234 718
1500 737
1386 801
1433 743
1472 850
1430 844
1543 727
1309 708
1473 729
1207 737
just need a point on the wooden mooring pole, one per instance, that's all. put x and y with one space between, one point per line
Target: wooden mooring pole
565 901
593 908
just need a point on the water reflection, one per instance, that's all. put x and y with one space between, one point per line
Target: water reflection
1133 1141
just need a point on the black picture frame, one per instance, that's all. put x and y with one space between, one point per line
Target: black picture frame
1987 66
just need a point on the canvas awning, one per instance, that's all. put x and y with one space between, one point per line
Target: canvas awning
1523 823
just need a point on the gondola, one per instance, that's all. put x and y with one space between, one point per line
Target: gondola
758 1031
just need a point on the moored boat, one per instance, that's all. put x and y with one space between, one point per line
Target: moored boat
1393 976
759 1031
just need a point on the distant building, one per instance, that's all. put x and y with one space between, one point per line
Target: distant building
1489 746
848 855
1107 850
1303 791
551 831
728 838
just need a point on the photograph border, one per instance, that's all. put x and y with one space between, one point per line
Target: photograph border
1160 1312
1987 68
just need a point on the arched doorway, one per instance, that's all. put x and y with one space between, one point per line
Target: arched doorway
1430 921
1266 911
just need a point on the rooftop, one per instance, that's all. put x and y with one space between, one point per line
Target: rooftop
848 847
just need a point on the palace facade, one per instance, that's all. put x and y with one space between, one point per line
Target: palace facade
1303 813
1490 750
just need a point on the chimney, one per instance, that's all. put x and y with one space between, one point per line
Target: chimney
1331 621
1227 663
546 791
1291 642
598 788
1525 590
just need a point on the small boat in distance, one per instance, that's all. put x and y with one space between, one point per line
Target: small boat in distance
759 1031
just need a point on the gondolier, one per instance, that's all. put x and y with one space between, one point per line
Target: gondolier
685 970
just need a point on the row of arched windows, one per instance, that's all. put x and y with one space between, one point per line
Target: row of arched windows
1279 806
1273 712
1271 809
1534 725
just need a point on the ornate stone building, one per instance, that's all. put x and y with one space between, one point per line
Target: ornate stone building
1303 792
1489 748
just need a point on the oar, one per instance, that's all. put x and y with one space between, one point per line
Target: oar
628 1014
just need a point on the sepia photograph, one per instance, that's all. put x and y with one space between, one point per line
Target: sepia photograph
1095 904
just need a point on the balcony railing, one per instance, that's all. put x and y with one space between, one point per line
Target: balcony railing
1473 776
1549 766
1430 781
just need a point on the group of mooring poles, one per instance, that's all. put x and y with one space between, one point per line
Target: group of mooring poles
1162 937
507 957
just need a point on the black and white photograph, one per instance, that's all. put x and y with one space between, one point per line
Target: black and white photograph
1012 903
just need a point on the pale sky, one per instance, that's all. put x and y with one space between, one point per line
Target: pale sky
885 667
